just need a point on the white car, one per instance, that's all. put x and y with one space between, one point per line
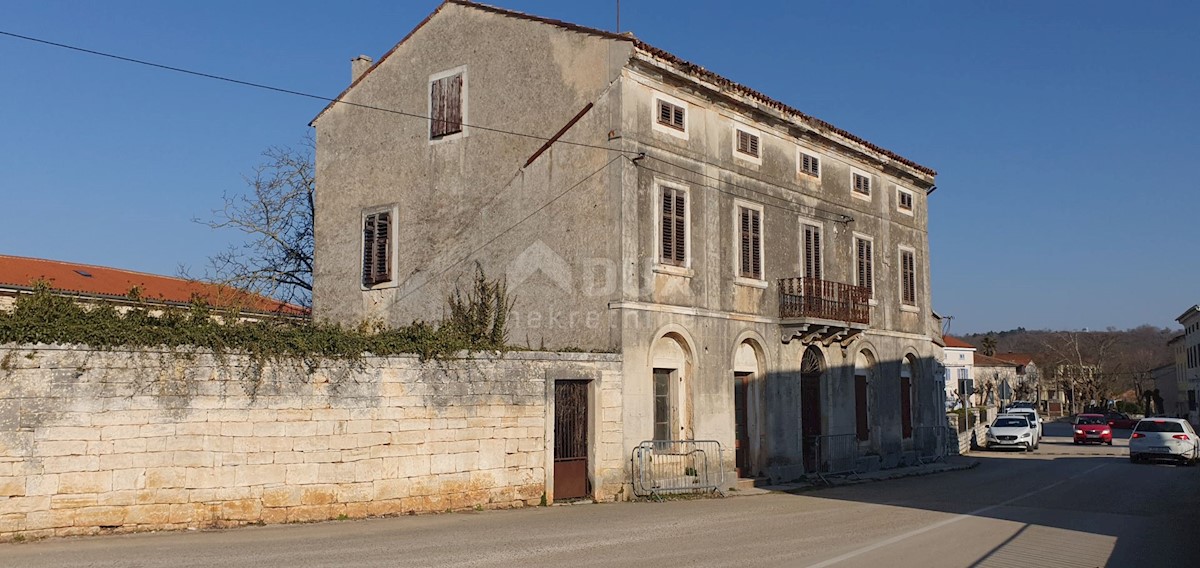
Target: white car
1033 418
1164 439
1011 431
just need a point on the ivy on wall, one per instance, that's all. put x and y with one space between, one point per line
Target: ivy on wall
476 323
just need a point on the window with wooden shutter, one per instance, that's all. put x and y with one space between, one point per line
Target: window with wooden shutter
908 277
862 184
747 143
810 165
751 243
377 253
905 200
865 273
670 115
812 251
674 226
445 106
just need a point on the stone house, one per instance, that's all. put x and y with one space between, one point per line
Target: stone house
1028 375
1188 362
990 374
763 275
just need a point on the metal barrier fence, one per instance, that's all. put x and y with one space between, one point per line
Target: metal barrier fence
677 466
932 442
837 454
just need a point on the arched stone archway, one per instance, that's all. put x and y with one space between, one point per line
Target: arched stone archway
671 361
749 412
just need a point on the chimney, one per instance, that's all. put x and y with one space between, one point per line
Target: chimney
358 66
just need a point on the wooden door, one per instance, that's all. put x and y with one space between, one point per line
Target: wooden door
741 448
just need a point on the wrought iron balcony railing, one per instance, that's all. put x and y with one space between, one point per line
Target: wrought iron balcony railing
823 299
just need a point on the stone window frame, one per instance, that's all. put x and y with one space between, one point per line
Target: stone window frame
856 173
870 272
905 304
660 264
739 279
801 152
912 201
820 248
657 126
755 138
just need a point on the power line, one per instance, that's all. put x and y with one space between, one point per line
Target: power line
291 92
495 237
791 208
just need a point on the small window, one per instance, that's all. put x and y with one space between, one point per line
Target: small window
747 143
446 106
750 251
862 184
810 165
908 277
904 200
865 266
670 115
377 251
673 245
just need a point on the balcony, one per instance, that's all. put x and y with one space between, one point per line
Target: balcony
821 310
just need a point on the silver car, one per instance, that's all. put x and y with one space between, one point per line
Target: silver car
1164 439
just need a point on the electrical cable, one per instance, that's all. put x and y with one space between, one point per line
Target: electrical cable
291 92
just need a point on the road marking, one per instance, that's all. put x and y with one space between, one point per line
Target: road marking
943 523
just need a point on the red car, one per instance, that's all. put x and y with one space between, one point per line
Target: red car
1093 428
1122 421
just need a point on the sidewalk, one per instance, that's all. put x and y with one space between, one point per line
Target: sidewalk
951 463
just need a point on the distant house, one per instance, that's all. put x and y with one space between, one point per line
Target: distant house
1189 360
990 374
959 362
1029 379
88 283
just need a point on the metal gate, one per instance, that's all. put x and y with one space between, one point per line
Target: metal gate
570 439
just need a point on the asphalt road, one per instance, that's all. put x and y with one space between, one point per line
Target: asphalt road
1064 505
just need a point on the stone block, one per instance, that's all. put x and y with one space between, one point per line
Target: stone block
127 479
260 458
309 513
100 516
466 462
14 486
62 448
51 519
416 466
318 494
274 516
355 492
368 470
283 496
268 474
152 515
116 461
157 430
123 446
165 477
192 459
23 505
85 482
442 463
311 444
335 473
70 464
189 513
302 474
120 432
241 510
491 454
68 433
237 429
117 498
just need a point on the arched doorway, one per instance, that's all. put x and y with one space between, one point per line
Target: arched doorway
864 368
812 367
748 409
671 361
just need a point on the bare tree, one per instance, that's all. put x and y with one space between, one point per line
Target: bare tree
276 217
1080 360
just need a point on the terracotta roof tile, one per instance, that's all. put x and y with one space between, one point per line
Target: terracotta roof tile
956 342
17 272
982 360
682 64
1018 358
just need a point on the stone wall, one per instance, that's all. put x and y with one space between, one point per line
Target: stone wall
121 441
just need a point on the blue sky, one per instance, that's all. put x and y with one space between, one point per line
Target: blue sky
1064 132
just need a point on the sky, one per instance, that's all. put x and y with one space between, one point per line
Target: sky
1064 133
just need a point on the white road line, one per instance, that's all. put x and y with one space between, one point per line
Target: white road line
941 524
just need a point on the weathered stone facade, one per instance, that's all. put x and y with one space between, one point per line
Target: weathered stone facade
577 229
94 441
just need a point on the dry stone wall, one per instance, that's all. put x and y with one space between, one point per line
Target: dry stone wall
95 441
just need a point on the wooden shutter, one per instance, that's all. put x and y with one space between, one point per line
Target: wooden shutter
747 143
810 164
906 424
377 254
751 249
860 408
862 184
674 227
445 106
908 277
865 276
680 257
670 115
812 252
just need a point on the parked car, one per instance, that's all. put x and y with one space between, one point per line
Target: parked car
1121 420
1034 420
1011 431
1164 439
1092 428
1024 404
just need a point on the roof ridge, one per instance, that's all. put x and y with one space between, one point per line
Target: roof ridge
101 267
